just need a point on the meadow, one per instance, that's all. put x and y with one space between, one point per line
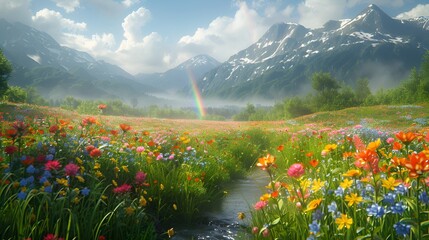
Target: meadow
358 173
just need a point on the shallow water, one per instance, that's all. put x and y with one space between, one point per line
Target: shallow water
221 221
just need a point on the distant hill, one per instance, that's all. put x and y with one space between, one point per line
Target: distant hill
372 45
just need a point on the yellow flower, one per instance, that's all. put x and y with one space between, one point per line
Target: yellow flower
390 183
76 200
104 197
305 183
125 168
79 161
63 182
114 160
116 169
174 206
353 199
114 183
161 186
344 221
374 145
80 179
129 211
97 166
241 215
142 201
352 173
170 232
330 147
313 204
82 169
98 174
346 183
265 197
317 185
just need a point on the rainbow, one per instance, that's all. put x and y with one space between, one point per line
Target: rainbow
197 94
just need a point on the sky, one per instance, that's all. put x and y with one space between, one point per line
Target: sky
148 36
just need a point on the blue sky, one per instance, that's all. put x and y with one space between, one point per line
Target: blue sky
145 36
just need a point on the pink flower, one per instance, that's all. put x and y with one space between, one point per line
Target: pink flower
390 140
189 148
266 233
51 236
140 149
140 177
261 204
171 157
296 170
52 165
71 169
255 230
124 188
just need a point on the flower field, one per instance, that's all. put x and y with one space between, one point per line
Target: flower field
70 176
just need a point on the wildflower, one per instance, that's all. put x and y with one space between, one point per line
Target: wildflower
260 205
332 208
402 229
339 192
368 160
314 227
390 140
142 201
170 232
296 170
124 188
417 164
352 173
85 191
31 169
423 197
374 145
353 199
125 127
102 106
266 233
140 177
405 138
314 162
95 153
401 189
397 146
313 204
241 215
280 148
398 208
71 169
129 211
140 149
22 195
53 128
375 210
174 207
344 221
390 183
266 162
52 165
317 185
255 230
51 236
346 183
11 149
389 198
317 215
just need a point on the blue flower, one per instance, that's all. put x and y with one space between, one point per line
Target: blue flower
339 192
402 229
389 198
398 208
47 174
22 195
31 169
317 215
30 180
314 227
85 191
52 150
332 208
43 179
375 210
48 189
23 182
401 189
49 157
423 197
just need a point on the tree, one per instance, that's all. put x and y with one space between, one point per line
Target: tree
362 90
15 94
5 70
324 82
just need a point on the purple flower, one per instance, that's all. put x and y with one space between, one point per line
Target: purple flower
71 169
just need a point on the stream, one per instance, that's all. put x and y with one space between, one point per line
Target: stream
221 221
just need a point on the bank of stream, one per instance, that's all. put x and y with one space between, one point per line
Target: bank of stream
221 221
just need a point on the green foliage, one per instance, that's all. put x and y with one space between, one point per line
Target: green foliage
15 94
5 70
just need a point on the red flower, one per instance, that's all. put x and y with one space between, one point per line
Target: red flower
368 160
11 133
71 169
101 237
124 188
28 161
11 149
51 236
53 129
406 138
417 164
140 177
102 106
125 127
52 165
296 170
95 153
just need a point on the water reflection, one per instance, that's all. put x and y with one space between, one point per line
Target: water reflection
221 222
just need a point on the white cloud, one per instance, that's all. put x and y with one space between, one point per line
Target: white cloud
224 36
418 11
55 24
315 13
16 10
68 5
129 3
134 23
98 45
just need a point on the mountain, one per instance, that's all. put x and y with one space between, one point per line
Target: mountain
372 45
178 78
57 71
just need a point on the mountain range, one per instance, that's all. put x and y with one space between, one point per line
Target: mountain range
372 45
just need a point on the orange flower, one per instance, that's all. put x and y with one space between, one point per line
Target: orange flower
417 164
397 146
374 145
405 138
266 162
314 162
347 155
125 127
280 148
367 160
102 106
352 173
